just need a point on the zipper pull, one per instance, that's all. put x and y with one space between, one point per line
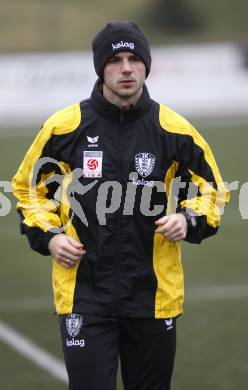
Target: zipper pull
121 115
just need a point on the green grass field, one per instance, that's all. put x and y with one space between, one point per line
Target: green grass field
212 335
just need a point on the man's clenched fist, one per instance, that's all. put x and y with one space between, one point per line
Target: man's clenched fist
66 250
173 227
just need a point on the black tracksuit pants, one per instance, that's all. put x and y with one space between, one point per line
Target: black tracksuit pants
92 344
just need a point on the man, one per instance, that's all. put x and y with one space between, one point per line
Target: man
112 232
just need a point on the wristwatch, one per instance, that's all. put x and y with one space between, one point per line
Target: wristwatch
191 222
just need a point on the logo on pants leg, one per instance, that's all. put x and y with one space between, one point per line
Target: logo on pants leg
169 324
75 343
74 323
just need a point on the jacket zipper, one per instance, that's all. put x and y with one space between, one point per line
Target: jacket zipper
118 237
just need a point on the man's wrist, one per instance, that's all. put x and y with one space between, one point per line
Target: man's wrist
46 238
191 220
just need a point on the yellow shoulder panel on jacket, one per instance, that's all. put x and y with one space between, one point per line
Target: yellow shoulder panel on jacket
64 121
174 123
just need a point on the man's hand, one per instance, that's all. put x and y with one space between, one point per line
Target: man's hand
173 227
66 250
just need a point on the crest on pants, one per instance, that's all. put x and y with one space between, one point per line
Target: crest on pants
73 324
144 163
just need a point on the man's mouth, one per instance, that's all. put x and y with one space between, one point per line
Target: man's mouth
126 81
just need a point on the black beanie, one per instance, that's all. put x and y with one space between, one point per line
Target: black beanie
116 37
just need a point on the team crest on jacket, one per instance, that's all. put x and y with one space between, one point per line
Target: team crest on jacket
144 163
73 324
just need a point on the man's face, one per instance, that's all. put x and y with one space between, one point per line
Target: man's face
124 75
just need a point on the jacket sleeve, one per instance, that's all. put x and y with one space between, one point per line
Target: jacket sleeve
205 194
37 180
202 194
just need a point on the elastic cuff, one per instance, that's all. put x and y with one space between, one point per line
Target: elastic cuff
45 239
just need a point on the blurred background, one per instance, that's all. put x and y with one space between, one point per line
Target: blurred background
200 69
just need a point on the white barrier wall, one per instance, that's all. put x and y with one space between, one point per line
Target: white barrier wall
197 81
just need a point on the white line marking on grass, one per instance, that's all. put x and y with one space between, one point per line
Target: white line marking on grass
26 304
32 352
199 293
18 133
208 122
221 122
207 293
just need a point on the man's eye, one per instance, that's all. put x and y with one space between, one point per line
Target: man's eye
135 58
113 60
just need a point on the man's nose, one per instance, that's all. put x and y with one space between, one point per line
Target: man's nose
126 66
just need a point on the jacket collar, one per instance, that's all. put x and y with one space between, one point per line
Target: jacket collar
112 112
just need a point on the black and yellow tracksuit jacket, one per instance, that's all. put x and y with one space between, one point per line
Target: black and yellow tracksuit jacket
86 154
